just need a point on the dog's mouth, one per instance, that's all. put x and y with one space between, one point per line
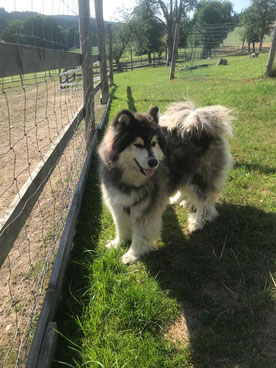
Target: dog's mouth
146 172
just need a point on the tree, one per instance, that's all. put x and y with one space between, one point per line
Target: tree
170 12
120 40
249 31
184 31
213 21
146 32
257 20
37 30
14 32
43 31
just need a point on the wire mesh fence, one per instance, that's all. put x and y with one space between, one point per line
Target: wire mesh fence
34 116
38 110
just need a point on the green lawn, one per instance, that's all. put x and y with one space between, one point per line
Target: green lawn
200 300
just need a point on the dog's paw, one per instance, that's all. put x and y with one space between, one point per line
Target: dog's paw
194 226
212 213
176 198
129 257
112 244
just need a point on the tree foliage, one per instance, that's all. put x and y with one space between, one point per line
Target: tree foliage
257 20
213 20
170 12
121 38
34 29
147 32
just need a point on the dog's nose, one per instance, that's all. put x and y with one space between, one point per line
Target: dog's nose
152 162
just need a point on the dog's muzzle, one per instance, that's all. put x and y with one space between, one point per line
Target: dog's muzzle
152 162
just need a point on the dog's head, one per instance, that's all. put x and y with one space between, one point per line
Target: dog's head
138 141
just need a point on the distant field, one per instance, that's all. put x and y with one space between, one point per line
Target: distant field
234 39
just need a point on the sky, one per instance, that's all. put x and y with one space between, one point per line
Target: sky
70 7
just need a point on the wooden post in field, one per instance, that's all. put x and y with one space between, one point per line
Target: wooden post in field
271 55
175 47
110 53
101 47
87 69
131 60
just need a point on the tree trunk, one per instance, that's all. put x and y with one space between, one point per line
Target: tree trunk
169 45
149 56
248 47
117 60
261 43
243 42
175 47
271 55
253 48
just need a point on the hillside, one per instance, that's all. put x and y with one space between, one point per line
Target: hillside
65 23
233 38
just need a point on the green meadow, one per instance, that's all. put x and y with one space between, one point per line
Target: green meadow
198 300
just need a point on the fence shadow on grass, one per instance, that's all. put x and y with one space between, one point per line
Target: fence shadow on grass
222 278
75 285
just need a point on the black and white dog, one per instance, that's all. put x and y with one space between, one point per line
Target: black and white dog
147 161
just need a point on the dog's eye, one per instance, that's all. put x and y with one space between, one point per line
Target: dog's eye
138 145
153 144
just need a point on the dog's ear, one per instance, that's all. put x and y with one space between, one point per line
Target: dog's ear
155 113
123 119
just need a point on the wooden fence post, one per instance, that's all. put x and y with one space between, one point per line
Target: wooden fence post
175 47
110 53
131 60
87 69
271 55
101 47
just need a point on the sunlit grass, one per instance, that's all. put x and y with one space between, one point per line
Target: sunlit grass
219 280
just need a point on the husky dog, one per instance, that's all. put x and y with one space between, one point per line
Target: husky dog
147 161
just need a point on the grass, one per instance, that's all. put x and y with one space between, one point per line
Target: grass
197 301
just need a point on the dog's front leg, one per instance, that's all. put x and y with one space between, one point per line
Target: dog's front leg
122 223
145 230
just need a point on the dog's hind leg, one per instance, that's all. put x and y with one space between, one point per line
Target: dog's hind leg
202 213
211 213
145 230
196 219
123 225
201 207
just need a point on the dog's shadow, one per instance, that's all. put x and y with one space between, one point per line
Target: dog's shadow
222 278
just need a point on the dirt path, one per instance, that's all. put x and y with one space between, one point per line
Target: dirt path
31 119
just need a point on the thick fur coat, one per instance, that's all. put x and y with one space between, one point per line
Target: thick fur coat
147 161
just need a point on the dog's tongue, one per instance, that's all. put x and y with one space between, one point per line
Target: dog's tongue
149 172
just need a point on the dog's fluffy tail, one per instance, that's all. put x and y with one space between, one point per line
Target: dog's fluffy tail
213 121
